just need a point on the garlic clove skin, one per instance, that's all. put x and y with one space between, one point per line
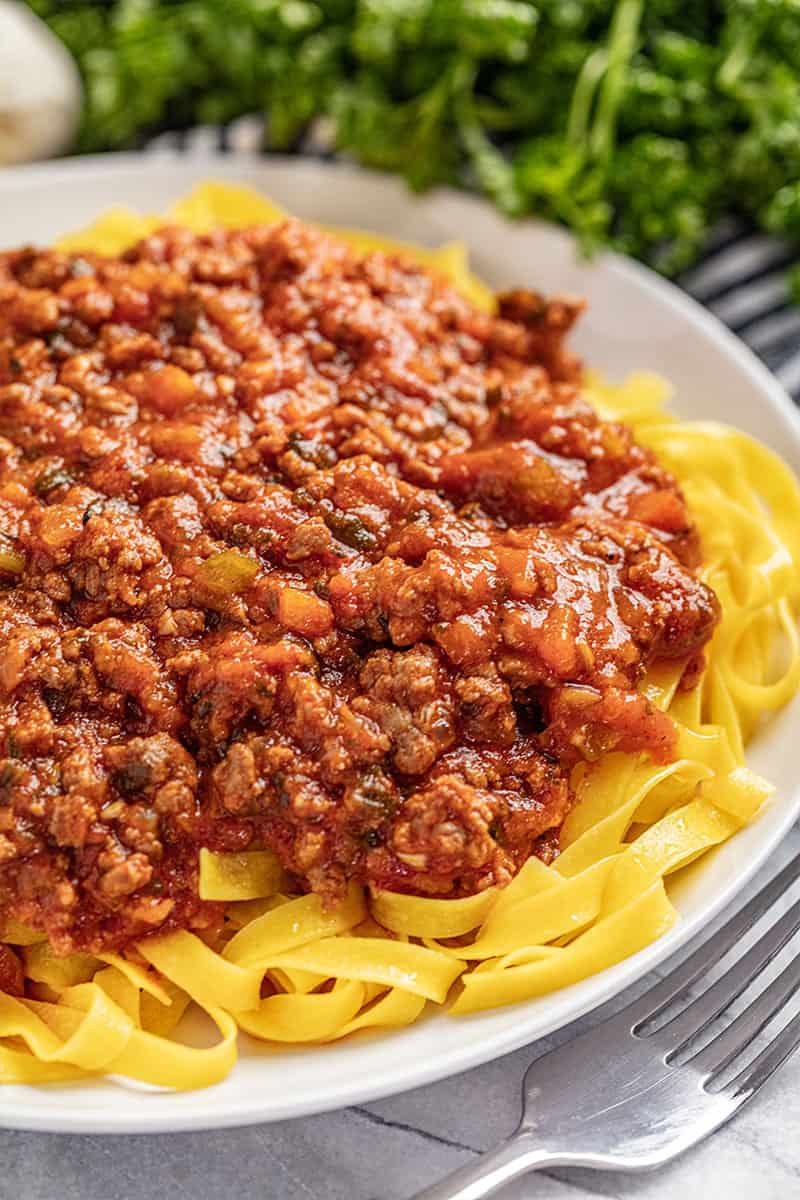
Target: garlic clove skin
40 88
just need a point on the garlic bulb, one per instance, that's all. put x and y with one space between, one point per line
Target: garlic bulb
40 89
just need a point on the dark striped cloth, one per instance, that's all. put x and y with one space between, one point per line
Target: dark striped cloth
741 279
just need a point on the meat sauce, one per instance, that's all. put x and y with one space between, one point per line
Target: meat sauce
300 550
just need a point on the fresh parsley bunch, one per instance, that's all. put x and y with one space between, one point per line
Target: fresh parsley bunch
637 123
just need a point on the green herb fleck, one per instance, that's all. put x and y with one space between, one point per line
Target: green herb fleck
350 530
51 479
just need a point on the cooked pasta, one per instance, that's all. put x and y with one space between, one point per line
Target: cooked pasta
287 969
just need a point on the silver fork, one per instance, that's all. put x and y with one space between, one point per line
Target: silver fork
640 1088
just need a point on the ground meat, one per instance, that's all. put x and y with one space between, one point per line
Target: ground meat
445 826
300 550
12 976
409 697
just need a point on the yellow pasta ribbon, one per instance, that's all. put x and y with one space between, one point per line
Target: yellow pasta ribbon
420 917
43 966
309 1018
248 875
416 969
165 1063
207 977
611 939
393 1009
265 939
564 909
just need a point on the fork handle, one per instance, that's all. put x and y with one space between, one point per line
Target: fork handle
493 1170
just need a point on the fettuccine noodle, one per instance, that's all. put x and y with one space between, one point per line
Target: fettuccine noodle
288 971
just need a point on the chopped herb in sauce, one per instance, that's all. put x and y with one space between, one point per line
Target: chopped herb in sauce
52 479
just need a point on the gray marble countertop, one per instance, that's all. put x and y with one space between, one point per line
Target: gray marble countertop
389 1149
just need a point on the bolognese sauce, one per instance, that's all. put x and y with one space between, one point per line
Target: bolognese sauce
300 550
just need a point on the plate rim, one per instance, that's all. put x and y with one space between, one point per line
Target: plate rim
211 1113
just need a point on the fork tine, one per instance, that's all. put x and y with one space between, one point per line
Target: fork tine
649 1006
756 1073
720 1052
685 1026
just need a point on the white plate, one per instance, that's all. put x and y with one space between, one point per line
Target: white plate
635 320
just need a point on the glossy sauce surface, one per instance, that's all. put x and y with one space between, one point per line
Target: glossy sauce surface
300 550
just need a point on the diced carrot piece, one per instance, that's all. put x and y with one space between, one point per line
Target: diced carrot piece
177 441
304 613
662 510
59 526
170 389
519 568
